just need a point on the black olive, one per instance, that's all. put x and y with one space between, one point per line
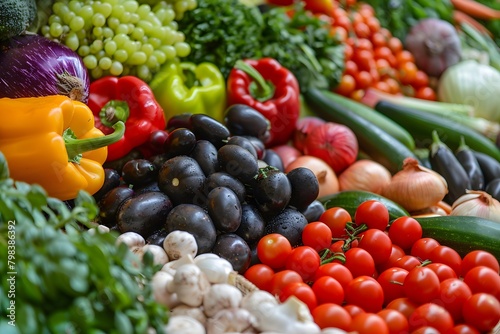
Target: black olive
144 213
289 223
233 248
259 146
305 187
139 172
110 203
118 163
182 179
243 142
222 179
193 219
313 211
271 190
179 121
224 208
156 141
238 162
246 121
205 153
153 186
111 180
208 128
252 226
181 141
273 159
157 238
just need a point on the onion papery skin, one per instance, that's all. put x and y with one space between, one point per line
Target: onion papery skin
31 66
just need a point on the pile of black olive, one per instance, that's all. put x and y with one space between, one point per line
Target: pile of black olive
215 180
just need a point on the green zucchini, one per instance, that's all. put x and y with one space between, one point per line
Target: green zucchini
376 118
351 199
463 234
421 124
373 140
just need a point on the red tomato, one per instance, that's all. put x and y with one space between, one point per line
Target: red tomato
421 80
405 231
260 274
300 290
425 330
396 253
463 329
433 315
424 93
359 262
483 279
273 249
377 243
421 285
282 278
448 256
328 290
319 6
422 248
336 218
403 305
365 292
396 321
346 86
407 262
332 315
391 281
369 323
482 311
372 213
305 261
479 258
337 271
317 235
453 292
442 270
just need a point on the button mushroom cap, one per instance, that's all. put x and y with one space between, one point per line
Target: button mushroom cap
190 284
131 239
159 284
159 255
183 324
179 243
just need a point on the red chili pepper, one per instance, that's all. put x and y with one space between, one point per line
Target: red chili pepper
269 88
130 100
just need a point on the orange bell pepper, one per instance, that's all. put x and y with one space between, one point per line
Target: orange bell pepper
52 141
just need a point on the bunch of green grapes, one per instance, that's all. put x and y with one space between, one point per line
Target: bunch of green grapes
120 37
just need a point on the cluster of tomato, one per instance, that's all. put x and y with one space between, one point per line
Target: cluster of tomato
373 57
367 275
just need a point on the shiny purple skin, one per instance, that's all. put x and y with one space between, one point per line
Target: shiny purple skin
32 65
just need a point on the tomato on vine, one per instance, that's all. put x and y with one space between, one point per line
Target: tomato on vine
391 280
300 290
328 290
330 315
373 213
335 270
359 262
304 260
317 235
365 292
273 249
377 243
405 231
421 285
336 218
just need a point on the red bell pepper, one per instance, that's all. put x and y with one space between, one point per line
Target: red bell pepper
315 6
269 88
127 99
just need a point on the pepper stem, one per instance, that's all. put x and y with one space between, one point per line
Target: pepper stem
261 89
114 111
75 147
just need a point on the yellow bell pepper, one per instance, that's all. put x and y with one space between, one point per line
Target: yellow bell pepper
52 141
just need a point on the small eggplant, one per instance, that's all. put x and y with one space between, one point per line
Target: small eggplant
493 188
470 164
489 165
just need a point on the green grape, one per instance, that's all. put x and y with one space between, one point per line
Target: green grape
72 41
160 56
97 32
192 4
77 23
146 26
60 8
155 42
152 62
131 6
137 33
147 49
122 29
98 20
90 61
137 58
67 17
103 8
83 50
113 22
130 47
134 18
120 39
143 73
182 49
105 63
54 19
56 29
96 72
120 55
107 32
96 46
116 68
46 31
118 11
169 51
74 5
143 11
110 47
86 12
125 18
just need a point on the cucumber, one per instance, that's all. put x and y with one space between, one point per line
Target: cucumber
421 124
463 234
376 118
374 141
351 199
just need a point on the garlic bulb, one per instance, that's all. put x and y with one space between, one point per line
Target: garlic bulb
416 187
477 203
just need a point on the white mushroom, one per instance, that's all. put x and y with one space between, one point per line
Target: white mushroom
219 297
193 312
190 284
179 243
98 229
172 266
217 269
232 320
131 239
182 324
159 284
159 255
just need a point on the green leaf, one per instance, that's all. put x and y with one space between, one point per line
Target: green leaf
123 324
4 168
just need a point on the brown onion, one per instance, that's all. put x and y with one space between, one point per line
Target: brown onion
366 175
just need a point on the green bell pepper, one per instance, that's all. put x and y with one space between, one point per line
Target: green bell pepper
184 87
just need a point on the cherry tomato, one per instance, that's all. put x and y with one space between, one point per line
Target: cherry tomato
405 231
396 321
407 72
317 235
463 329
369 323
479 258
332 315
422 248
377 243
425 330
273 249
335 270
407 262
404 56
300 290
363 79
362 30
393 84
403 305
373 23
282 278
395 45
448 256
328 290
425 93
453 292
372 213
365 292
336 218
396 253
433 315
378 39
346 85
421 80
391 281
305 261
421 285
351 67
359 262
260 274
483 279
443 271
482 311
